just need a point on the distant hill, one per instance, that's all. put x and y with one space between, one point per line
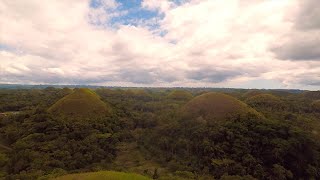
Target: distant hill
216 106
251 93
101 175
80 103
265 101
137 93
180 95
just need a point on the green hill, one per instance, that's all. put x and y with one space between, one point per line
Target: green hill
180 95
103 175
80 103
265 101
251 93
216 106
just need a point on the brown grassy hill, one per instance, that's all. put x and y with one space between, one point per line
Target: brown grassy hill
180 95
216 106
80 103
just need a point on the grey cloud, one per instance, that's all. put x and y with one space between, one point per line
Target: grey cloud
169 78
139 76
309 15
85 75
300 48
213 75
309 82
314 83
34 77
311 79
304 42
119 46
145 76
39 75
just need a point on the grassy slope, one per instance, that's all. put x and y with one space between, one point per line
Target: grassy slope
215 106
82 102
103 175
131 159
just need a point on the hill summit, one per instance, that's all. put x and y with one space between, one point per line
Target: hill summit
216 106
80 103
265 101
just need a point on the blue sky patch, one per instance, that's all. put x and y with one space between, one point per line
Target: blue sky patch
5 47
135 15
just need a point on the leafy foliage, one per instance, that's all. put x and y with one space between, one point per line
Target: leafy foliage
266 101
180 95
149 132
103 175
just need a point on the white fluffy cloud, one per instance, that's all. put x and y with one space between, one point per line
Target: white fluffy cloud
203 43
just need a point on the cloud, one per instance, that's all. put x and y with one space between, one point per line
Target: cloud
212 75
187 43
137 76
302 46
161 6
302 41
308 15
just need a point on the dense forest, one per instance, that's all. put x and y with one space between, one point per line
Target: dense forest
160 133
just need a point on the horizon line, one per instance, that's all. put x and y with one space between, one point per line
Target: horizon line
164 87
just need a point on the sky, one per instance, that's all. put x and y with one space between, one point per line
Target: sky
268 44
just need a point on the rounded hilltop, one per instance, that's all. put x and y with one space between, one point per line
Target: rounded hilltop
216 106
180 95
251 93
265 101
80 103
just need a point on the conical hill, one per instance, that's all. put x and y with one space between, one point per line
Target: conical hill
216 106
80 103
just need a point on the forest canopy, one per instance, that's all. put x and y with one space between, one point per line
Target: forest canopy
159 133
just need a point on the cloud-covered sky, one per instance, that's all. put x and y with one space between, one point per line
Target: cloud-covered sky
194 43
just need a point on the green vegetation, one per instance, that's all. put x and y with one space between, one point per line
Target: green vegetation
316 106
159 133
251 93
266 101
103 175
180 95
313 95
80 103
